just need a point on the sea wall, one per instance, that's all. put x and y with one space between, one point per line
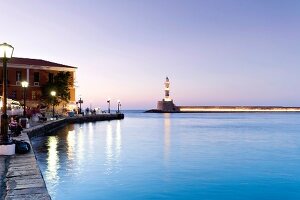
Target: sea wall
93 118
52 126
167 108
207 109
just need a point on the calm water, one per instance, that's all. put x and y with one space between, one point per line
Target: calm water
175 156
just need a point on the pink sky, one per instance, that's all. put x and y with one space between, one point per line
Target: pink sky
214 52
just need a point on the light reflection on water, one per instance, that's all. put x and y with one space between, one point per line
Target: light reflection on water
109 151
113 147
118 141
52 160
167 127
71 142
175 156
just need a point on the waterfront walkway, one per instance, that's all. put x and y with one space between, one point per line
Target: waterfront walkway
20 175
23 178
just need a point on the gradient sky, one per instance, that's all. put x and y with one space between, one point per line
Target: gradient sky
225 52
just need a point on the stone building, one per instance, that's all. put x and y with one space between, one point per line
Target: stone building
166 104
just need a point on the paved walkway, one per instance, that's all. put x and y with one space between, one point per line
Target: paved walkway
2 175
20 175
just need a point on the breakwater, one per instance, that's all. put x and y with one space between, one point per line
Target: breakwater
170 107
22 177
52 126
224 109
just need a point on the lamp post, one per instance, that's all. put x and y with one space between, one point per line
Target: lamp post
119 104
53 94
108 101
6 144
80 102
24 86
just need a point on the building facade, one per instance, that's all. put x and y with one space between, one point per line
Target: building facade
37 73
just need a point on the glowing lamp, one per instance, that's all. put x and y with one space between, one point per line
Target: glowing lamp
6 50
24 84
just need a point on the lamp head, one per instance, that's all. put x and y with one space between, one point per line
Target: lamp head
6 50
53 93
24 84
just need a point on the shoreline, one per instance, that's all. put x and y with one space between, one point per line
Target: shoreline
22 177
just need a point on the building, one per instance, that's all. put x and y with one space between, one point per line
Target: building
36 72
167 105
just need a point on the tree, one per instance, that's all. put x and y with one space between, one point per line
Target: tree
61 84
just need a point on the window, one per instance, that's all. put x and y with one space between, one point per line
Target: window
50 78
33 95
36 76
18 75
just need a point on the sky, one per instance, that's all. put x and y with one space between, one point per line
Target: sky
216 52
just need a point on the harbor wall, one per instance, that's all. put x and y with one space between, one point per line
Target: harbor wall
52 126
207 109
170 107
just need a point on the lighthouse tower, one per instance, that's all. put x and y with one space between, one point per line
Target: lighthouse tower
166 105
167 90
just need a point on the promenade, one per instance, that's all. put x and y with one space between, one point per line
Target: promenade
20 175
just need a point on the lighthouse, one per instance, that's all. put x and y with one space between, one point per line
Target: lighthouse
167 90
166 105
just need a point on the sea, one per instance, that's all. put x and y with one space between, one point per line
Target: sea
201 156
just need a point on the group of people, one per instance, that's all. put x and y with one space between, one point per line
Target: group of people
88 110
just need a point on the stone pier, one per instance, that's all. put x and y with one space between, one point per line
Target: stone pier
23 179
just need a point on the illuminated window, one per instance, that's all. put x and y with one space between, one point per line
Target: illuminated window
33 95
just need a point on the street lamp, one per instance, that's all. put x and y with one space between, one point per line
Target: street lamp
24 86
80 102
108 101
53 94
7 147
119 105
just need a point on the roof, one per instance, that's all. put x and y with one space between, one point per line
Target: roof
36 62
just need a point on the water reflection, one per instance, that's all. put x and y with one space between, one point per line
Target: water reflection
113 146
80 149
52 161
118 140
91 138
167 129
109 153
71 144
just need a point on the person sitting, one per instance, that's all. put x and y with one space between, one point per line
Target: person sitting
15 127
